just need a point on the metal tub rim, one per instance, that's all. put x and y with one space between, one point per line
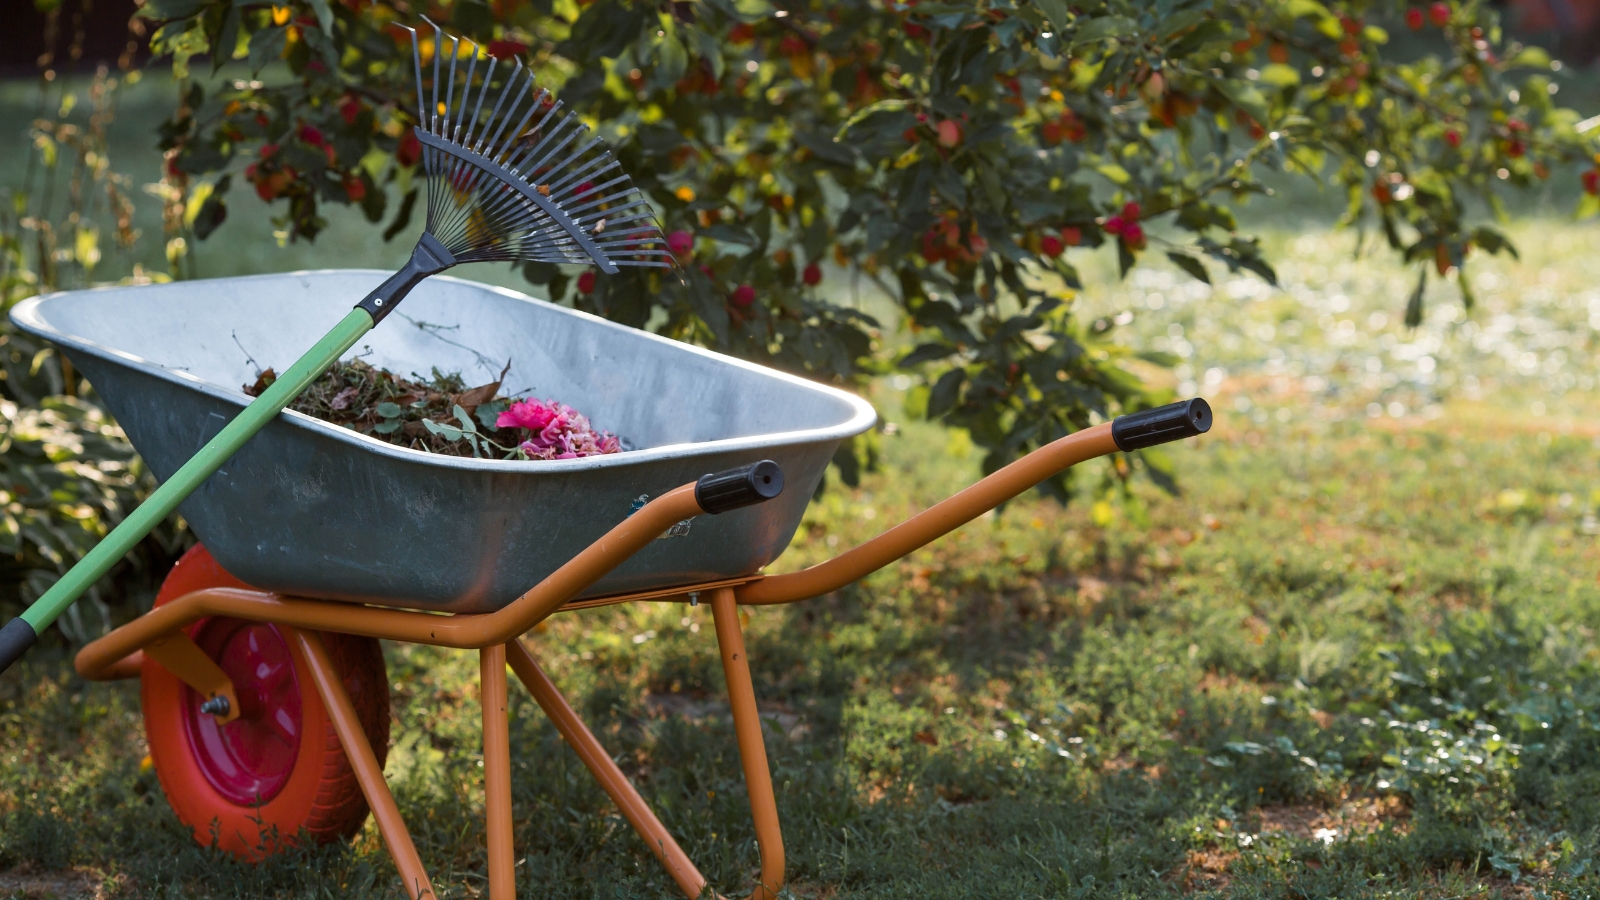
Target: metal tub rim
28 316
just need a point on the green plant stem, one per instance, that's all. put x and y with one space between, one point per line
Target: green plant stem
217 451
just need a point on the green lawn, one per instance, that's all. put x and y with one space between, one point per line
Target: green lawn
1355 658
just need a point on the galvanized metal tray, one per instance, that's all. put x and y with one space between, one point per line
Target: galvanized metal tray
312 509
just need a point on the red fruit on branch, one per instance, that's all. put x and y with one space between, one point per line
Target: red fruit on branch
350 109
1515 149
586 283
1591 182
506 49
1050 245
1133 236
949 133
1130 211
741 34
1072 236
1414 19
312 135
743 296
680 243
1114 225
1439 14
812 274
1381 193
410 149
355 189
1453 138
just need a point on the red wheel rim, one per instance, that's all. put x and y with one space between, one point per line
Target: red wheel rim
249 759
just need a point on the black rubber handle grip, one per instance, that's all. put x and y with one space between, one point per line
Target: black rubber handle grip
744 486
15 639
1172 422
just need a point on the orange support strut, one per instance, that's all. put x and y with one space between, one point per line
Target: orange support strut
752 748
365 765
497 772
600 765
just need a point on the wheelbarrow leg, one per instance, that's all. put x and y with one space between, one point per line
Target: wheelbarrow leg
497 772
752 749
599 762
367 771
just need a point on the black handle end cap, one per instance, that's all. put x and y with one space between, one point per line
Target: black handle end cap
1172 422
15 639
734 488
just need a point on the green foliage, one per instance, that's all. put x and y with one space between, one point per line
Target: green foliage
951 154
67 474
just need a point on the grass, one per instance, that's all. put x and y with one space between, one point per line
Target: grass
1355 658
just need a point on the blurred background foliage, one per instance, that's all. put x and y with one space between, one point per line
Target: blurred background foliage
954 163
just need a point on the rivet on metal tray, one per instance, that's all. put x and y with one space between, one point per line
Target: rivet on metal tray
216 706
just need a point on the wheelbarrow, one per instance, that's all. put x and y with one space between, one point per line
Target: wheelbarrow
263 687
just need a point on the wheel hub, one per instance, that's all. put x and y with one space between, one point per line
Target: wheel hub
249 759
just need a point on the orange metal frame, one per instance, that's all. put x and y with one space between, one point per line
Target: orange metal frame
496 636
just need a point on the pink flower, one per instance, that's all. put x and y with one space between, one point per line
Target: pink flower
557 431
530 414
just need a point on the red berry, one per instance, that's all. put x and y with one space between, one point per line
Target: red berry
410 149
1591 181
311 135
1352 26
680 243
1130 211
586 283
741 34
355 189
1133 236
812 274
743 296
1380 193
1515 149
268 149
506 49
1072 236
1050 245
949 133
1516 125
1115 225
350 109
1414 19
1452 137
1439 14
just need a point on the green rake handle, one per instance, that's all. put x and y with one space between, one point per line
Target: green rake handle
19 634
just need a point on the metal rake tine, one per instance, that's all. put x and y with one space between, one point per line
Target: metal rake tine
494 114
472 124
593 166
466 89
416 61
602 213
539 128
450 90
601 187
612 198
568 138
511 138
509 90
433 111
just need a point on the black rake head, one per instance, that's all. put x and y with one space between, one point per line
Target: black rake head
513 177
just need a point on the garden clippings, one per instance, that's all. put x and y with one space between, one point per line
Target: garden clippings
442 415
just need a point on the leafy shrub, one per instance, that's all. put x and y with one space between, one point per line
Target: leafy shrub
952 155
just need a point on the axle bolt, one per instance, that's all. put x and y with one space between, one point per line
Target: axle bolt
216 706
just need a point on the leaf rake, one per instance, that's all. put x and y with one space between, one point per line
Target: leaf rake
520 181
